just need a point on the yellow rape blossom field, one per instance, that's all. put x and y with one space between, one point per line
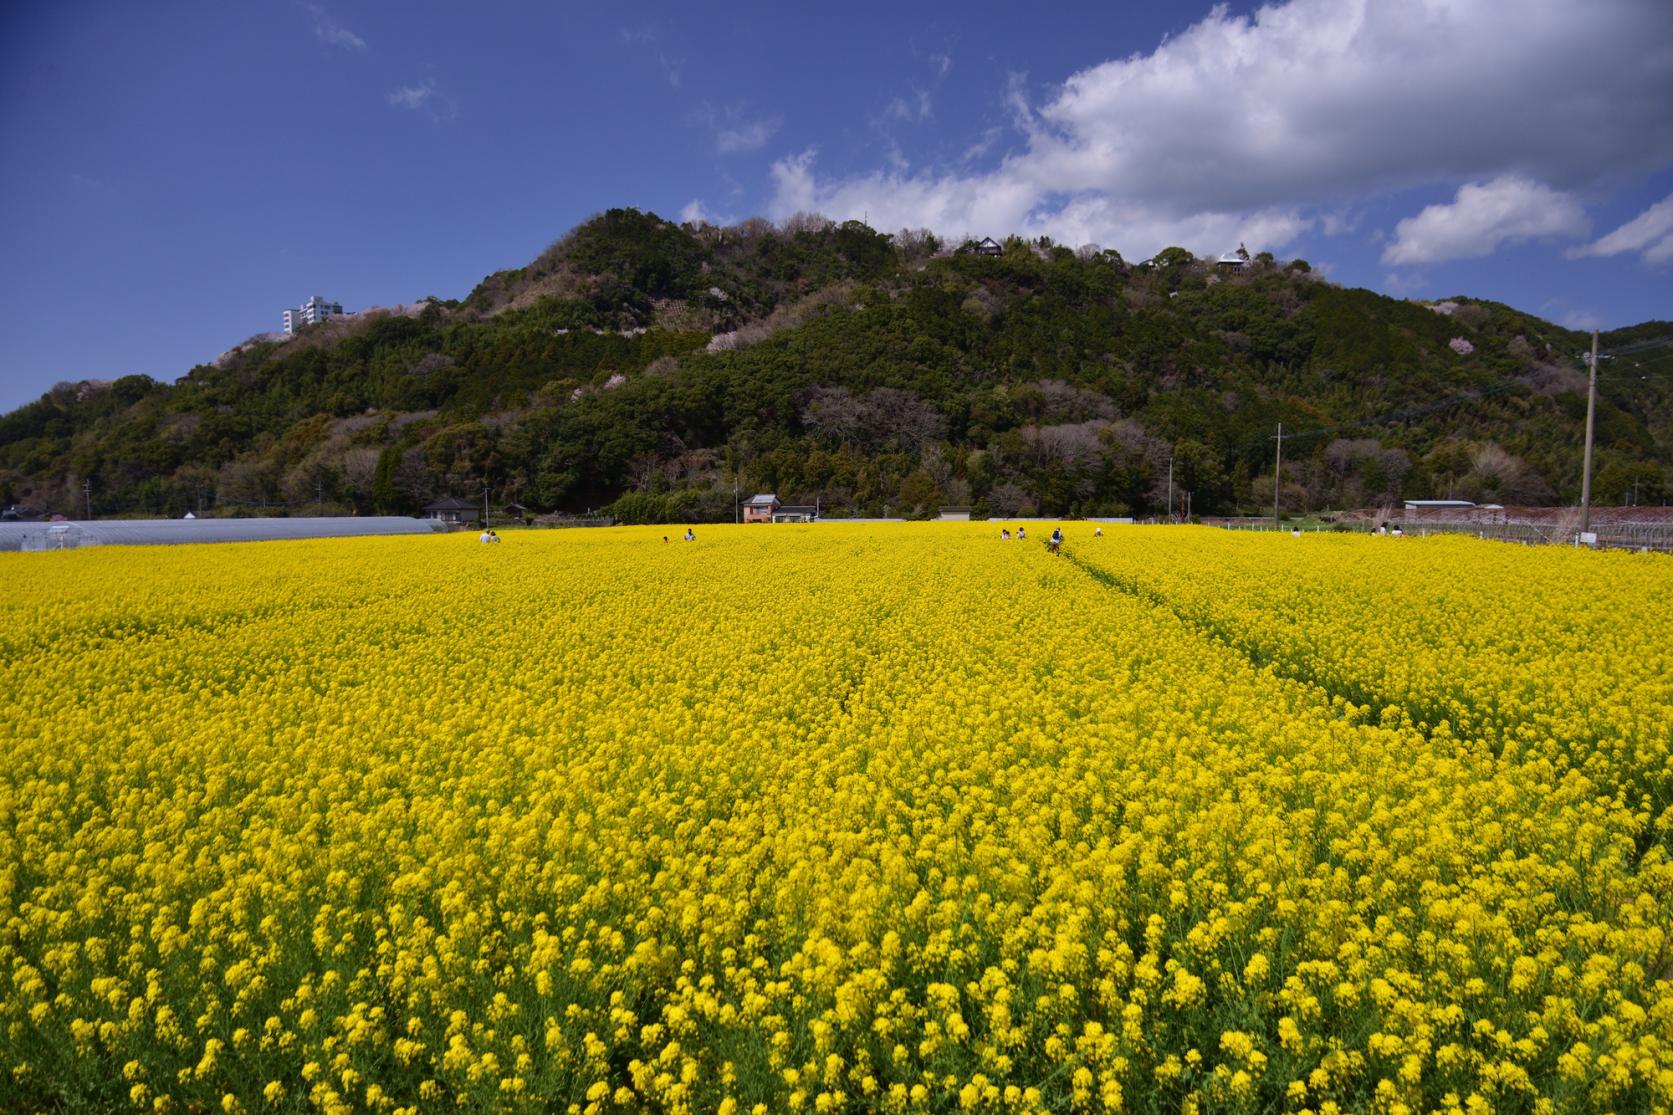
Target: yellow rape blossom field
840 818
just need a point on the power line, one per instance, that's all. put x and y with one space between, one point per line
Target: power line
1473 396
1637 346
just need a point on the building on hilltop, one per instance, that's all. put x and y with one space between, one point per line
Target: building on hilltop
311 312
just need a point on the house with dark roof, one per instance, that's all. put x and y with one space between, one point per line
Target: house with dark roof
796 513
461 512
988 246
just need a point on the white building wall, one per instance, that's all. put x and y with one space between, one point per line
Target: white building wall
312 312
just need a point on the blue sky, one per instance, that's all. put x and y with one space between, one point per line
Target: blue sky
175 174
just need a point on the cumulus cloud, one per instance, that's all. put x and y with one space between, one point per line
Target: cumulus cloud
999 202
1316 98
330 32
1256 121
1650 233
1482 216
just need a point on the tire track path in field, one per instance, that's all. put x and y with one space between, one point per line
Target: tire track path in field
1374 705
1367 698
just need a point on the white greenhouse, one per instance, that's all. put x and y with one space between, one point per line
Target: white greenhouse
68 535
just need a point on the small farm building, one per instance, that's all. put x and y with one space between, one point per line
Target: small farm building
461 512
760 508
800 513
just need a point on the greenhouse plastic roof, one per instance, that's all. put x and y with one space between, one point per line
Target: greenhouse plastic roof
170 532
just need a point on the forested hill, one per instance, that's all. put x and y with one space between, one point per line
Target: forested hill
652 368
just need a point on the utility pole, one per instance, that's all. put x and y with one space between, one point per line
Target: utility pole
1591 413
485 522
87 494
1278 476
1170 487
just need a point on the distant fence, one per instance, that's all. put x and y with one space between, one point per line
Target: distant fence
1656 537
1616 536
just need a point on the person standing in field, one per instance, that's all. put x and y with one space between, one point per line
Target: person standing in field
690 535
1055 542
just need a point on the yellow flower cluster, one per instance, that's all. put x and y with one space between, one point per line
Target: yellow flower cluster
837 819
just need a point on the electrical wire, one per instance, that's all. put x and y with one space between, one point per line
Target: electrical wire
1636 346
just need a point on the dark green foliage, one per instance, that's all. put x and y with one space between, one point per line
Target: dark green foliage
869 375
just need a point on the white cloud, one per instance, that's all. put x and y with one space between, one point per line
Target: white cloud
646 37
1315 99
1338 222
695 212
746 135
1270 121
919 105
424 97
982 145
412 97
1651 233
913 109
1583 320
735 130
332 33
1000 203
1482 216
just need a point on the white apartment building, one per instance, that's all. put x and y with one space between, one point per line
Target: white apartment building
312 312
